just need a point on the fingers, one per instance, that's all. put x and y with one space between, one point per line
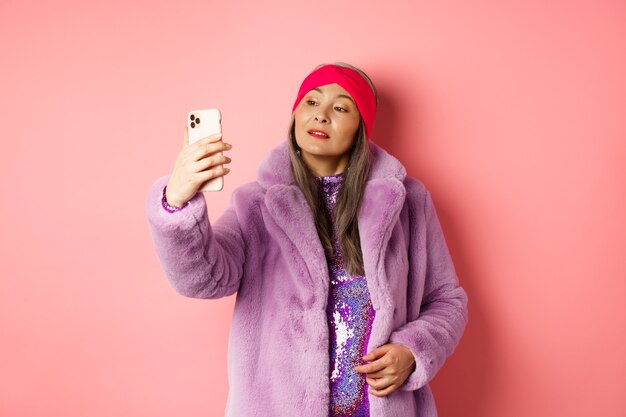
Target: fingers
378 352
380 374
211 161
371 367
381 388
397 363
204 176
378 359
379 384
201 149
384 386
211 167
213 138
200 142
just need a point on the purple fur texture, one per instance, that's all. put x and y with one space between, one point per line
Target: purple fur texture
265 248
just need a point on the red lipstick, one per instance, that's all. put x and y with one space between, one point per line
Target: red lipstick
318 134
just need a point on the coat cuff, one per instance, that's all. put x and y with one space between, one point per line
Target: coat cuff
423 362
183 219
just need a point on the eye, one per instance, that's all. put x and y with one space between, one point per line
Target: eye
311 102
341 109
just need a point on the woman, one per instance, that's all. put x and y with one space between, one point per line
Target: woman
347 299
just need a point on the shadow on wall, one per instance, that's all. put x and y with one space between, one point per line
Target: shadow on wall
462 385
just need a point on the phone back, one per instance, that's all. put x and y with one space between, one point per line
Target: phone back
200 124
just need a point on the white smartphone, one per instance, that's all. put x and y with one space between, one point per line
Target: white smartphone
200 124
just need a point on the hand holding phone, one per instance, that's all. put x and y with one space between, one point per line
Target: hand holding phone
200 164
203 124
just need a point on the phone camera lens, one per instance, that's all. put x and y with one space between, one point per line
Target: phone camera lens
197 120
193 124
192 117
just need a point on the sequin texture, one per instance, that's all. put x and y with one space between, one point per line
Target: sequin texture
350 315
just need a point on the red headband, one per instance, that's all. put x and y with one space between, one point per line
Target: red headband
353 82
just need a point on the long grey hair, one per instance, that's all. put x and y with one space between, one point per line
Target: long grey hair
348 199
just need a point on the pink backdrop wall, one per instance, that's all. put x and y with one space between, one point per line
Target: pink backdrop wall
512 113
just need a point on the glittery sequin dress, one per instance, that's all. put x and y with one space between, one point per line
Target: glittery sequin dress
350 315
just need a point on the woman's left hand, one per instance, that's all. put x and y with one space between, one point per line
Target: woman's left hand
390 365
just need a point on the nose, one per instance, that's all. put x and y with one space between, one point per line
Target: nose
321 115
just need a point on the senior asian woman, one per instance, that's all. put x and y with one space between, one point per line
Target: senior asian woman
347 299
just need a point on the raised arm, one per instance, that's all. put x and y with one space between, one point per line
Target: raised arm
200 260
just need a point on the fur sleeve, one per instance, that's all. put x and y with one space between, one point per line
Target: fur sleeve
435 328
200 260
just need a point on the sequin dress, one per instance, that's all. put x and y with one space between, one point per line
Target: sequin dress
350 315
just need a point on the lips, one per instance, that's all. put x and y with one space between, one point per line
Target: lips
318 134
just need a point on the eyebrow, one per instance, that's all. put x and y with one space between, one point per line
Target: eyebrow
340 95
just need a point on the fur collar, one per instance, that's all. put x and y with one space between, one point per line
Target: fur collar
275 169
382 202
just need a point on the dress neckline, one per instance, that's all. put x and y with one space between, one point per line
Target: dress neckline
331 184
341 174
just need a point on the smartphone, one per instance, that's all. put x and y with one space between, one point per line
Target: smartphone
200 124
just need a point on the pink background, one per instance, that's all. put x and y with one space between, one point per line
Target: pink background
512 113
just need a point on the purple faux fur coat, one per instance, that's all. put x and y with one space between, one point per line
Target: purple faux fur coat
265 248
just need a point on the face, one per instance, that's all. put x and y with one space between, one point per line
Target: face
326 122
